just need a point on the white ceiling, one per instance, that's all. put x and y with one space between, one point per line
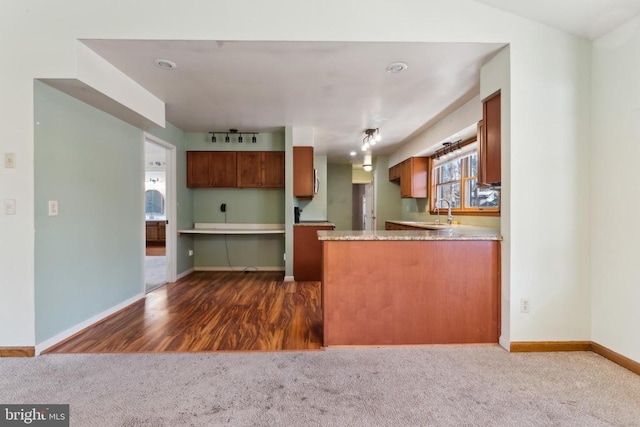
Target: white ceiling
339 89
586 18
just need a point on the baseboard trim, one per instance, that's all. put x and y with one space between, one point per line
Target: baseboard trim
617 358
288 279
17 351
74 330
549 346
544 346
239 269
184 274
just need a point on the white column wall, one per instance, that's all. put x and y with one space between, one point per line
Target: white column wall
615 234
549 71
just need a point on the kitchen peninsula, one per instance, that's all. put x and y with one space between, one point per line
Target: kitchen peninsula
437 286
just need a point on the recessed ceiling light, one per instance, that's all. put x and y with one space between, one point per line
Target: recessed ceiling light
165 64
396 67
353 153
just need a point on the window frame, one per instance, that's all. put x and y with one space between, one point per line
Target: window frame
462 181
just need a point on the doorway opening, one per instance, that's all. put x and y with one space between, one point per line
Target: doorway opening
363 217
159 185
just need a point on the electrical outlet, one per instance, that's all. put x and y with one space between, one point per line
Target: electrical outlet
524 305
190 252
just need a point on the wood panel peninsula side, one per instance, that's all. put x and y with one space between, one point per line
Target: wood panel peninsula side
411 287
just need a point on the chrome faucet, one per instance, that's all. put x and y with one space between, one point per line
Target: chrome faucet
449 216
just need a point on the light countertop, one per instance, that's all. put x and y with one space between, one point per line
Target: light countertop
226 228
454 232
314 224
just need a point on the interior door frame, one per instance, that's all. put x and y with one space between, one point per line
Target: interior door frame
170 205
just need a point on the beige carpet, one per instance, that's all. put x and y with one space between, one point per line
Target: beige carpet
155 272
415 386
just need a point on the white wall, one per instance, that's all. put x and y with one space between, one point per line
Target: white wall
549 72
615 235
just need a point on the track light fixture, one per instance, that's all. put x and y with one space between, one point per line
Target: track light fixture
371 137
447 149
233 133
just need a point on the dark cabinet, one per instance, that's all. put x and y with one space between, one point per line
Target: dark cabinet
307 252
206 169
156 232
489 136
412 174
260 169
303 174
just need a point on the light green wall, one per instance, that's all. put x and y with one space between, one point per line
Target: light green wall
273 141
339 195
89 257
316 208
244 205
184 197
418 210
360 176
387 194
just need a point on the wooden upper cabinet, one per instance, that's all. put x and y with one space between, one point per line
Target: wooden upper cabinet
206 169
273 169
490 141
250 169
303 175
261 169
412 174
394 172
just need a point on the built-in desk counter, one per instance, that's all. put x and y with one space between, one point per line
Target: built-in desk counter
225 228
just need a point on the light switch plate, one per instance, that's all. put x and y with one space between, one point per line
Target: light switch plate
53 208
9 160
9 206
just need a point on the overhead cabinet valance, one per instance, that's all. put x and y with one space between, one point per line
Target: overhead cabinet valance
235 169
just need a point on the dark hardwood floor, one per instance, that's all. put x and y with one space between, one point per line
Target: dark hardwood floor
211 311
155 250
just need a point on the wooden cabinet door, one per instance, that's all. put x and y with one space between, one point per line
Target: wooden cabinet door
307 252
152 231
303 180
222 168
261 169
273 172
206 169
250 169
490 142
198 175
394 172
413 177
162 231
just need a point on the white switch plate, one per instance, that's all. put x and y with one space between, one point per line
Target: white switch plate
9 206
53 208
9 160
190 252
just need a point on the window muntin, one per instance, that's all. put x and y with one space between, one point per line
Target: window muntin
456 181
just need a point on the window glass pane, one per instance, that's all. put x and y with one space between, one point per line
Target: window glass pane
450 192
473 165
480 197
154 202
450 171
